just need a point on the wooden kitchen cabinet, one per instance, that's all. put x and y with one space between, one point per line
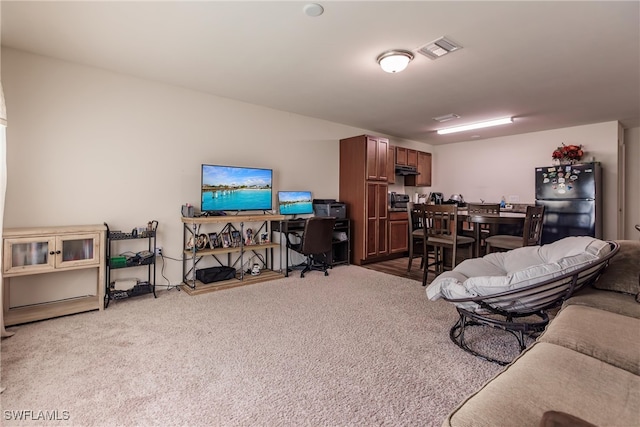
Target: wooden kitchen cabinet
406 156
377 220
412 157
376 158
391 165
401 156
398 232
364 172
423 179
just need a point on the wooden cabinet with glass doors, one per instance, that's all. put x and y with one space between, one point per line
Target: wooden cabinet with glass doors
50 250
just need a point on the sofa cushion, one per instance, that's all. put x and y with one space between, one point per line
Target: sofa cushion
610 337
623 274
551 377
562 419
614 302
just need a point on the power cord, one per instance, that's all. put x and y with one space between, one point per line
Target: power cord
169 285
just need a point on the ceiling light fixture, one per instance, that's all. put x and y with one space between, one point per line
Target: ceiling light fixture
478 125
394 61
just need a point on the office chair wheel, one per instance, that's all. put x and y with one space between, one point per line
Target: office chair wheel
301 275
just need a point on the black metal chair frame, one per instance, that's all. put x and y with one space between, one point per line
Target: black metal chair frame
501 310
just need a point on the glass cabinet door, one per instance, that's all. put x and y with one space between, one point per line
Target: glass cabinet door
29 255
77 250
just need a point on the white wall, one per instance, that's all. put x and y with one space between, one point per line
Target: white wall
492 168
632 182
90 146
87 146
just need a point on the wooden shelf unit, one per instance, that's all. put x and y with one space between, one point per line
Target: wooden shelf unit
192 255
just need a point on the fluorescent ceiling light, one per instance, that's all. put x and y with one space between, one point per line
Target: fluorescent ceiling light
478 125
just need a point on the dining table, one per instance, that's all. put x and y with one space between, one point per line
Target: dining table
510 218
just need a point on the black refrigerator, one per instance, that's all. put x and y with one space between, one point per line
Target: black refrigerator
571 195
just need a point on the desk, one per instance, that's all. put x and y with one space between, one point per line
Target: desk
340 250
512 218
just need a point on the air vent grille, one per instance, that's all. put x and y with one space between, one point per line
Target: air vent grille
438 48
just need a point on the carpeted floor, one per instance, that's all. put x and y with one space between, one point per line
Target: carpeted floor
357 348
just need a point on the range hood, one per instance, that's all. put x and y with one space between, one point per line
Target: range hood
406 170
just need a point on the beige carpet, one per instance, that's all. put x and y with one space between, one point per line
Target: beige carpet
357 348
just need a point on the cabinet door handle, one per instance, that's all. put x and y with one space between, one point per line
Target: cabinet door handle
58 252
52 253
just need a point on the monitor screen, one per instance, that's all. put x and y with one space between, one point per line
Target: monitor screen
295 202
232 188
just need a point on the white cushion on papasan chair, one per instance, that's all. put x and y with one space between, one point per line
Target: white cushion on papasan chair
504 271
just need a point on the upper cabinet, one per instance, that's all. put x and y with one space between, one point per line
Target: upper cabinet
423 179
406 156
419 159
377 155
391 165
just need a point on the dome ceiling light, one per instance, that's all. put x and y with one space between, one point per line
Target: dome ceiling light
394 61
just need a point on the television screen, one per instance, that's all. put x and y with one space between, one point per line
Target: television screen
232 188
295 202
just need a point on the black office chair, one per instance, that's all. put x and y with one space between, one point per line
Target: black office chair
316 243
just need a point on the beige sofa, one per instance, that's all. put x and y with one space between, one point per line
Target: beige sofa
583 370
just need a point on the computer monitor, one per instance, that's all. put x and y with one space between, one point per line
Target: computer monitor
295 202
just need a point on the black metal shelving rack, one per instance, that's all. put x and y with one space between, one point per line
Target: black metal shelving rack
141 288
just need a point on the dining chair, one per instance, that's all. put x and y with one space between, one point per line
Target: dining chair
417 242
532 232
441 225
486 230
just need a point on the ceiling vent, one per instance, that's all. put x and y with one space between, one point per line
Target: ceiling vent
446 117
438 48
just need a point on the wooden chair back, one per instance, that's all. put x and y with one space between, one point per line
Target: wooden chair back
532 233
483 209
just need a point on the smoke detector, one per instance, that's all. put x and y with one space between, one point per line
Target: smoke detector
438 48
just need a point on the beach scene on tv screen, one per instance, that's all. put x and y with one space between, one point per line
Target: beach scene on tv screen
295 202
235 189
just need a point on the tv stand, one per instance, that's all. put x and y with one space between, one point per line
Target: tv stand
236 256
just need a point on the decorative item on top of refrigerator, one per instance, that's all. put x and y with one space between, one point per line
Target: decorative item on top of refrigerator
572 200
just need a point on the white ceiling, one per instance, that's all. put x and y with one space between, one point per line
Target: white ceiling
547 64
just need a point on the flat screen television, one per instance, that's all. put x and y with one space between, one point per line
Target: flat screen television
295 202
233 188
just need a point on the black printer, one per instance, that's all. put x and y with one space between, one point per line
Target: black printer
329 207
